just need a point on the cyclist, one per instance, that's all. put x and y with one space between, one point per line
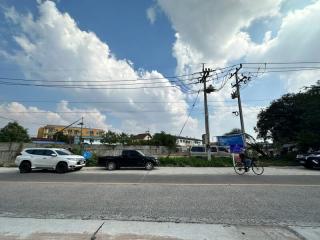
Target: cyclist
245 161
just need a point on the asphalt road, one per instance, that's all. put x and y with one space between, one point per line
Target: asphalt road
143 196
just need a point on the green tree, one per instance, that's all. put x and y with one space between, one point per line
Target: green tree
125 138
233 131
110 137
60 137
164 139
293 118
13 132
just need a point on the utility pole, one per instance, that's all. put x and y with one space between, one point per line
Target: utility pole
237 95
205 74
80 142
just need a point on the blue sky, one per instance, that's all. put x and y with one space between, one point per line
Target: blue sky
182 35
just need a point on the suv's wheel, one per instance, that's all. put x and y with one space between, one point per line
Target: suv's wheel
61 167
111 166
149 166
25 167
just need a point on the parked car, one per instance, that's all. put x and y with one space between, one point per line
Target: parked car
128 158
57 159
309 160
216 151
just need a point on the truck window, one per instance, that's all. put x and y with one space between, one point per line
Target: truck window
197 149
222 149
213 149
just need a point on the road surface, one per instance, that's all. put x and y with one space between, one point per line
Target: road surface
186 195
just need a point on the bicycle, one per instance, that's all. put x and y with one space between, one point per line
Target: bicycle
255 165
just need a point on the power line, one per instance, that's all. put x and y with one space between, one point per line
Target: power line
280 63
119 102
194 103
98 81
87 87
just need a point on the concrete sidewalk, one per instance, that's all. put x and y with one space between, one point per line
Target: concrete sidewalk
72 229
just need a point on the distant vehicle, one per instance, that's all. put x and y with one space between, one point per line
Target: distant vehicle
216 151
128 158
309 160
57 159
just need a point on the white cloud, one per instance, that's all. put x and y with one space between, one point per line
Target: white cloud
54 41
222 119
151 14
296 41
214 32
34 117
211 32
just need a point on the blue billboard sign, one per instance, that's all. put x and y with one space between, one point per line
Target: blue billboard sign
235 142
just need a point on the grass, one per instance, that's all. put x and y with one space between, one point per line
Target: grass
217 162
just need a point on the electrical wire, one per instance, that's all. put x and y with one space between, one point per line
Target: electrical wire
193 105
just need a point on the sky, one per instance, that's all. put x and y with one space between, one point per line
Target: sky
133 66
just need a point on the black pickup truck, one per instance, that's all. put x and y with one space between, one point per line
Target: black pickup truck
128 158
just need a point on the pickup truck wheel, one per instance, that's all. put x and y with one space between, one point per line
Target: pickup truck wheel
149 166
25 167
62 167
111 166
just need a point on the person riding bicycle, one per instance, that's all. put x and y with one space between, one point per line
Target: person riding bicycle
245 160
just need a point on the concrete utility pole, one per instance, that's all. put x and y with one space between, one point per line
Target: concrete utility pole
237 95
80 142
205 74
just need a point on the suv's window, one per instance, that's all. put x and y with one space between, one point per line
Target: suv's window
38 151
222 149
30 151
197 149
48 152
63 152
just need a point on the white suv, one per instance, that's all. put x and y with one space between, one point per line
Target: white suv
57 159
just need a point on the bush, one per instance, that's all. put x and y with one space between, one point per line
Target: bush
93 161
195 162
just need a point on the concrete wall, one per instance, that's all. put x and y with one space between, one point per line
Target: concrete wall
9 151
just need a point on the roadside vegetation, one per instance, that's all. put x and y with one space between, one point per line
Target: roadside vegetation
218 162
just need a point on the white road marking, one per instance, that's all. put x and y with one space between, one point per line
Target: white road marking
167 184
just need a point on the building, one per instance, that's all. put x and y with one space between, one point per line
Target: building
48 131
188 142
142 137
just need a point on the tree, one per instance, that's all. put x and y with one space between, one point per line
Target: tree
60 137
293 118
110 137
233 131
13 132
164 139
125 138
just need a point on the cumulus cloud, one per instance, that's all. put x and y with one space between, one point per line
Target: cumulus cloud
151 14
211 32
54 41
33 117
296 40
215 32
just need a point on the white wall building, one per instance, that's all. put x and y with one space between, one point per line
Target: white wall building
188 142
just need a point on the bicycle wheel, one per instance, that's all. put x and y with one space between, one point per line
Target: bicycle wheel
257 168
239 168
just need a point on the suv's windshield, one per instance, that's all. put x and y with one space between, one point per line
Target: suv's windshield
63 152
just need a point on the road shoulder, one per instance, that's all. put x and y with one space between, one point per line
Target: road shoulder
37 229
